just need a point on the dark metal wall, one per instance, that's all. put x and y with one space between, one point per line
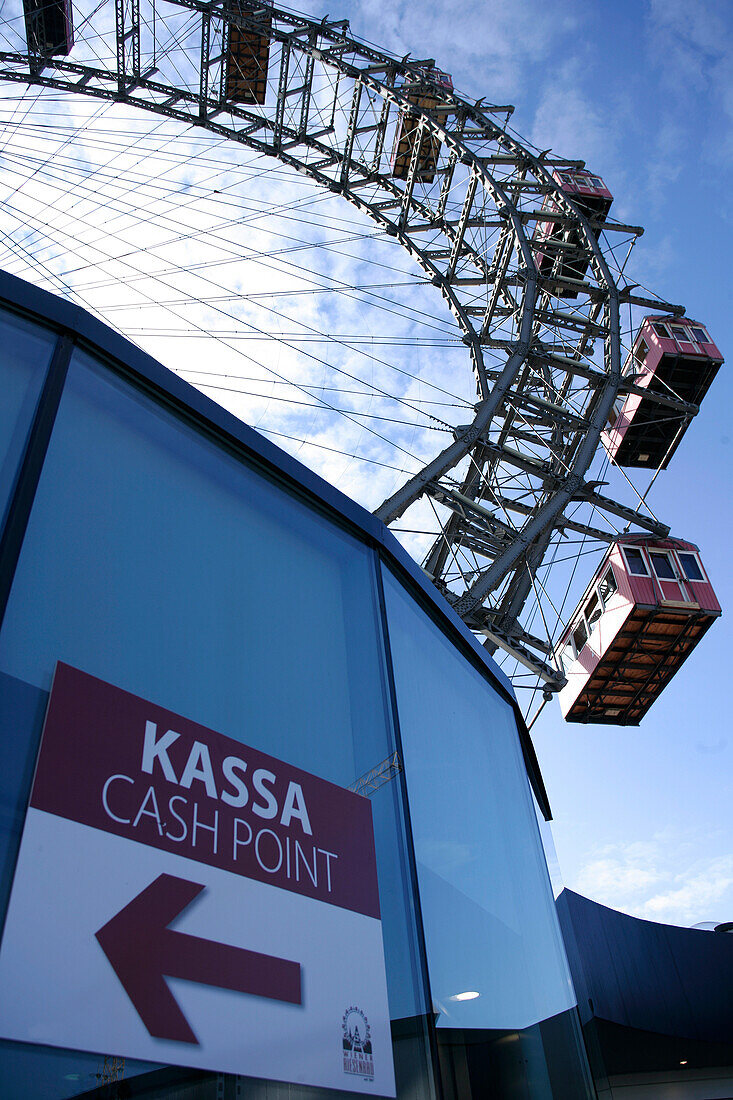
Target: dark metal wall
650 995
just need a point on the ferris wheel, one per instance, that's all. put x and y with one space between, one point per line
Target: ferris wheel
516 244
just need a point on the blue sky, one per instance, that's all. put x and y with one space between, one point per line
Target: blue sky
643 91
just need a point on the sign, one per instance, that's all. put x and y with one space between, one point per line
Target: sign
182 898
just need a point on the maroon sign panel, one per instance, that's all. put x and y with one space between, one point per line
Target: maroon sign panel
122 764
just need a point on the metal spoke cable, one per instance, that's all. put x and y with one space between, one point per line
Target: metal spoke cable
87 265
410 311
306 386
322 408
333 450
333 408
267 334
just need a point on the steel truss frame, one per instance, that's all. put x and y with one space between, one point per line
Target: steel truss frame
511 481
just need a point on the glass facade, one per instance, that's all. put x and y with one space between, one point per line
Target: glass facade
496 962
26 354
162 556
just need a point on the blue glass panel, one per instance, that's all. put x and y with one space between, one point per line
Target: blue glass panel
160 562
22 708
171 569
25 352
501 990
482 872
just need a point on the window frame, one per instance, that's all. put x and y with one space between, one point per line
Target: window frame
569 649
593 604
640 352
568 656
702 579
605 600
680 335
668 556
644 562
580 624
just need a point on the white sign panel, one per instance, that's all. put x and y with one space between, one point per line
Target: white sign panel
181 898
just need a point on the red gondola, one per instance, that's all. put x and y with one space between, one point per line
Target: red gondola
562 255
421 93
672 357
645 610
248 57
49 27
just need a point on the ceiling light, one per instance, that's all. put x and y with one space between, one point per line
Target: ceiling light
469 995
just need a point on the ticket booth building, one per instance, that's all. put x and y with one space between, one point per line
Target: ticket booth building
157 553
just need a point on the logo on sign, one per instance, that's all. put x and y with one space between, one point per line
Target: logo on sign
357 1042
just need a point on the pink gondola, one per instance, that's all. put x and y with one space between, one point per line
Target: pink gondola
671 357
563 255
423 94
645 610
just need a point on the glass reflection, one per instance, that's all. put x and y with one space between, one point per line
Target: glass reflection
497 967
160 562
25 352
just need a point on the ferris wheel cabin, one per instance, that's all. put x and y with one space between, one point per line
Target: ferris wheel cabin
561 254
410 138
671 357
645 610
248 56
49 27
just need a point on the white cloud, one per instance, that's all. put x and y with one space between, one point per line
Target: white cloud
571 123
691 38
614 876
690 42
704 888
660 880
487 45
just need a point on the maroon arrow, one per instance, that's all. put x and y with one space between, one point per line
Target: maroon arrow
142 949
